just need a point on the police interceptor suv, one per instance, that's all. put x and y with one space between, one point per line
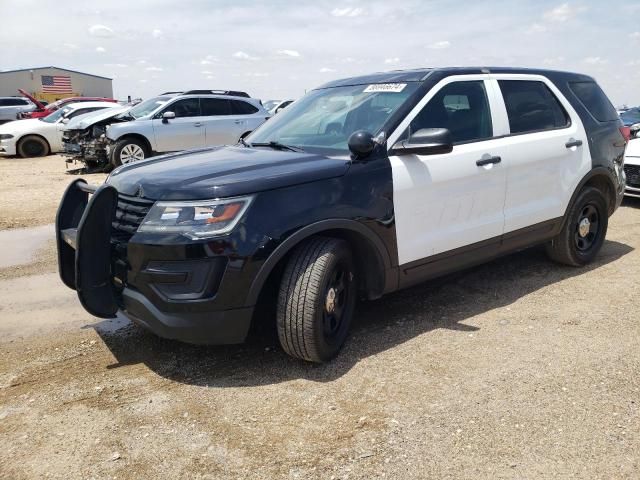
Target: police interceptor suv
364 186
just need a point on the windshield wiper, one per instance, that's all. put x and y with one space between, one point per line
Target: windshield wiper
243 142
277 146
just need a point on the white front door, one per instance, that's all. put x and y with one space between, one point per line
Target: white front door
546 152
184 132
447 201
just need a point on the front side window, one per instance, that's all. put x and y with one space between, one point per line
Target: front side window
460 107
188 107
145 108
214 107
55 116
324 119
532 107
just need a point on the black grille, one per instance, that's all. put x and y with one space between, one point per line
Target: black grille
129 215
633 175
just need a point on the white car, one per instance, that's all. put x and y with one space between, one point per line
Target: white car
632 167
37 137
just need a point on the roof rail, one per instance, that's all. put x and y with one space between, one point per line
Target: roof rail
231 93
171 93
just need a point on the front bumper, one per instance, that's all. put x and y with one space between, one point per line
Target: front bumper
174 291
632 172
8 147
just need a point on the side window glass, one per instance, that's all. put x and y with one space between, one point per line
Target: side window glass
188 107
531 106
461 107
242 108
212 107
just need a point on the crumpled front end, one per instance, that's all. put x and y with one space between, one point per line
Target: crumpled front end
88 146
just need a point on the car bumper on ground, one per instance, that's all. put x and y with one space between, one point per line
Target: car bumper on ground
173 294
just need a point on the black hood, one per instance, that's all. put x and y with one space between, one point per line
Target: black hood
222 172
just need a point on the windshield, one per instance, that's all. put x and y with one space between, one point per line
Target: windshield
145 108
631 116
326 118
55 116
269 104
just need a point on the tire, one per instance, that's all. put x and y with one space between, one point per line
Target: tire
316 299
33 146
578 246
128 150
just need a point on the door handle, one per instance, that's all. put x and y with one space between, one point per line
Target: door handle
573 143
197 124
488 161
238 122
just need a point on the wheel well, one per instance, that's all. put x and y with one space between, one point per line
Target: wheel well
139 137
370 266
602 183
34 135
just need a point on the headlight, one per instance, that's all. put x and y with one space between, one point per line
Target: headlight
5 136
196 219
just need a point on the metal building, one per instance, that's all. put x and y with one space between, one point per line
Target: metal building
54 83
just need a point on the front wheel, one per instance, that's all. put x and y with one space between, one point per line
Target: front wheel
316 299
584 230
33 146
128 150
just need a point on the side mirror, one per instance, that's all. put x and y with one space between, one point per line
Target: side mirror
166 116
65 120
426 141
361 143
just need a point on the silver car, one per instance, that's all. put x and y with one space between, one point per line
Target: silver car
182 121
10 107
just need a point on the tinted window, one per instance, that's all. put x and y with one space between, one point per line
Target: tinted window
242 108
595 100
189 107
82 111
462 107
12 102
215 106
531 106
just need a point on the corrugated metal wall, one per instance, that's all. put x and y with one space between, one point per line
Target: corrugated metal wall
30 80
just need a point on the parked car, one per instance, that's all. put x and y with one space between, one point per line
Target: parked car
632 167
11 107
631 116
37 137
175 122
191 245
52 107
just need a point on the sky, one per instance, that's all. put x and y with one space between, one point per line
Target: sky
280 49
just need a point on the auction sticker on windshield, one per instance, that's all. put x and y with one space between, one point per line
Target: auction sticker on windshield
385 87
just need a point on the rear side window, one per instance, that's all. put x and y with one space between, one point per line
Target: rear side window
532 107
12 102
242 108
212 107
594 100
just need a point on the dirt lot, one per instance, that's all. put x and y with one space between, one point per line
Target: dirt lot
516 369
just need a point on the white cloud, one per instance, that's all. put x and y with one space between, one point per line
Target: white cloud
536 28
595 61
116 65
326 70
101 49
440 45
347 12
141 62
561 13
101 31
634 36
156 33
391 61
209 77
243 56
553 61
289 53
154 69
71 46
206 72
257 74
142 80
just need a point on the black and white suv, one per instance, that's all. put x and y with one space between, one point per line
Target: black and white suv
360 188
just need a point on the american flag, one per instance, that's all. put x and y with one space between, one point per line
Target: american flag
56 84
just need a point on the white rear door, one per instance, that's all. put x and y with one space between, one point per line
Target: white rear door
447 201
546 152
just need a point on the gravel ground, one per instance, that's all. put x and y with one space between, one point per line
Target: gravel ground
516 369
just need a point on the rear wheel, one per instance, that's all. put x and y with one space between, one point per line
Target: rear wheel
33 146
128 150
584 231
316 299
